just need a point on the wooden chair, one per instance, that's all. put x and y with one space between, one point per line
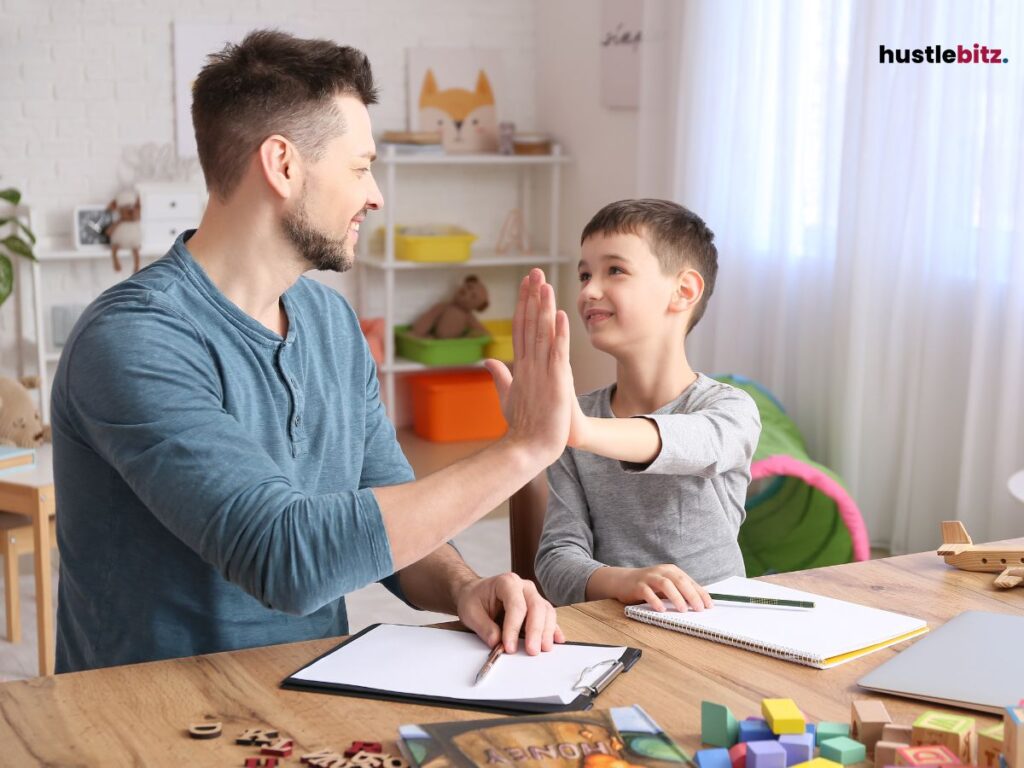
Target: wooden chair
16 540
526 510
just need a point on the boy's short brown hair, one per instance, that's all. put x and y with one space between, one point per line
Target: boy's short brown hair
272 83
677 237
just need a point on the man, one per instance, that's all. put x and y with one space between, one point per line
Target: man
225 469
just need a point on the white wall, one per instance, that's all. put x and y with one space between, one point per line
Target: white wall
602 142
84 80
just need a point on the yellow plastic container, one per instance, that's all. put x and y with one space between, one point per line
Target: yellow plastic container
433 243
500 345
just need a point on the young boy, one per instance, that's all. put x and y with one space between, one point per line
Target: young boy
645 508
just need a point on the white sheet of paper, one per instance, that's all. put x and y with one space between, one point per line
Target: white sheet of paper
439 662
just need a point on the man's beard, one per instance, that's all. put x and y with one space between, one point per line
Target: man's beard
316 248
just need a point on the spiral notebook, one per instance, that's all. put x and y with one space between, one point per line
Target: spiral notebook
831 633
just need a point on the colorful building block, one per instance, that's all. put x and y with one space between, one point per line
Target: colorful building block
990 746
713 758
885 752
936 754
718 727
953 731
827 730
901 734
280 748
738 755
812 729
765 754
363 746
819 762
799 747
755 729
843 750
869 717
1013 736
256 737
783 716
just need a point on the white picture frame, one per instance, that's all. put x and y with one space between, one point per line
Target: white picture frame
87 225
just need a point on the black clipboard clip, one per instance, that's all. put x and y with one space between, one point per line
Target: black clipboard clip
615 668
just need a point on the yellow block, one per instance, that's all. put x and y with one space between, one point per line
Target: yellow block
783 716
818 762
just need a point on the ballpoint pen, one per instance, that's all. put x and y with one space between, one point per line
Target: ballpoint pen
496 651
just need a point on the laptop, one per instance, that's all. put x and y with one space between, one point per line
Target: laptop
973 661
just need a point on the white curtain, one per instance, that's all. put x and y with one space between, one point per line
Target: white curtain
870 225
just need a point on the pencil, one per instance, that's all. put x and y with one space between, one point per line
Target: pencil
761 600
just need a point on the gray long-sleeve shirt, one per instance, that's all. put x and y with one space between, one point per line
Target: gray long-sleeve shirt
685 507
214 479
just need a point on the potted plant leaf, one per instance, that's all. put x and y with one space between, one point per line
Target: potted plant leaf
18 242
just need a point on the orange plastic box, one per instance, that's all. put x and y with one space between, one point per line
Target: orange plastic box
456 405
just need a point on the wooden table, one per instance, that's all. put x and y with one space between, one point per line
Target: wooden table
138 714
30 493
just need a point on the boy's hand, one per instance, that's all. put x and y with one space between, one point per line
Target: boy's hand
537 401
578 426
649 585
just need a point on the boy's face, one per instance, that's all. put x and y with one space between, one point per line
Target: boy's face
624 298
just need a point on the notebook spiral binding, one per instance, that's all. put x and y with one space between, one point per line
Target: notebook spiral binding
786 654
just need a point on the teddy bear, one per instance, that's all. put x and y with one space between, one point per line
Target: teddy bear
454 319
20 424
126 230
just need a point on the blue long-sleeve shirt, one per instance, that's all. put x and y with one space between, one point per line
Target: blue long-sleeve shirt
213 479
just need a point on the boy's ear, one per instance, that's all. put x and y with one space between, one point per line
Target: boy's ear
689 289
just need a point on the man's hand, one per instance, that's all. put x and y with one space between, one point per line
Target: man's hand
649 585
537 402
482 601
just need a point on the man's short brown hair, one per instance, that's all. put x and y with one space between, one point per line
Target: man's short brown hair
272 83
677 237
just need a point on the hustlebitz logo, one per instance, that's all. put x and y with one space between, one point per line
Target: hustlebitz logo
937 54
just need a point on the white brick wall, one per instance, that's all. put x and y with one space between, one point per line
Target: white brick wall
82 80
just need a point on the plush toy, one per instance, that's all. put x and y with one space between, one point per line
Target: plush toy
20 424
453 319
126 231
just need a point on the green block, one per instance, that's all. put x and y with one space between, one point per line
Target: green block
828 731
844 750
718 727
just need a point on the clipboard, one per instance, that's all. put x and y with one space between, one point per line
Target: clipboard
590 683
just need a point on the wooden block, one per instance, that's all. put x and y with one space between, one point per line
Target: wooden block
738 755
260 762
713 758
783 716
885 752
1013 737
930 754
765 754
364 759
325 758
868 718
363 746
819 762
256 737
754 729
718 726
843 750
990 746
799 747
205 730
898 733
828 730
953 731
280 748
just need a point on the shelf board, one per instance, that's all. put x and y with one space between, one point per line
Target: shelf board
397 158
478 260
70 254
404 365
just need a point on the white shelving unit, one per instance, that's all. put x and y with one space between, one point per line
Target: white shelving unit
45 357
390 267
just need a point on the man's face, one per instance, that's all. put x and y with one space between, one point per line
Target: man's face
339 189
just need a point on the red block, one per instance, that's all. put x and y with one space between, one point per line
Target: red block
738 755
364 746
282 748
926 755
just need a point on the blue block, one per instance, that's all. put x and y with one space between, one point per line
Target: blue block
799 747
713 758
813 730
755 729
765 754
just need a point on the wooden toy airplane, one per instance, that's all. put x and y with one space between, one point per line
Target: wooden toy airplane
959 551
